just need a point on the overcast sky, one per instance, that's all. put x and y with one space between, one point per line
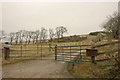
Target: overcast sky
77 17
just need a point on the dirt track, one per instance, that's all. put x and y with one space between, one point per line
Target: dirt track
37 69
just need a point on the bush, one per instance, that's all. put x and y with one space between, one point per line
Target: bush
96 33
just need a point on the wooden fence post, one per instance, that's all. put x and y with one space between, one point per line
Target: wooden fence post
56 52
6 50
93 57
6 53
92 53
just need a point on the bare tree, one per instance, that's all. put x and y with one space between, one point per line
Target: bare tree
51 34
63 30
21 36
43 33
33 36
30 34
3 35
112 26
26 36
12 37
60 31
37 34
16 37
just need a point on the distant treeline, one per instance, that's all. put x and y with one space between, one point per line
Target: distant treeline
34 36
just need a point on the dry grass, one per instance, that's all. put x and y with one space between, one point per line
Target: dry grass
99 70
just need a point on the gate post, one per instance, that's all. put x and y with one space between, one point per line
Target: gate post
92 53
56 52
6 53
6 50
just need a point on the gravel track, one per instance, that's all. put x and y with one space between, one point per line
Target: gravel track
46 68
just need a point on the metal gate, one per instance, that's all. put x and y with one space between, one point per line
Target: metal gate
72 54
31 51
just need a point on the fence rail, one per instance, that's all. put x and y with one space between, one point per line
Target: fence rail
106 52
106 44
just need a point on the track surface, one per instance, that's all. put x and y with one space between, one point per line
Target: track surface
46 68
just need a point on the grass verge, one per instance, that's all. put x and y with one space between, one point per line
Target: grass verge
22 59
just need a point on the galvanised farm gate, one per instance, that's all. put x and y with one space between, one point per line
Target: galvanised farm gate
30 51
73 53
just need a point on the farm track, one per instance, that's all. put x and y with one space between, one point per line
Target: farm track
46 68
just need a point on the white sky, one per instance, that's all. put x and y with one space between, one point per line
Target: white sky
77 17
